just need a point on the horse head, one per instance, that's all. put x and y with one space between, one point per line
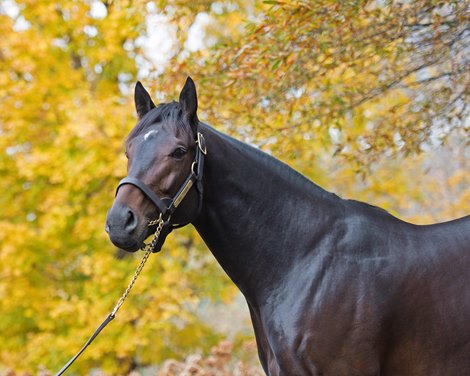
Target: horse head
164 161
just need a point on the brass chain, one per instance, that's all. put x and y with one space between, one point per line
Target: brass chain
148 248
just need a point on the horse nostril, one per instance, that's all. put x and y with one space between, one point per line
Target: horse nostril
131 221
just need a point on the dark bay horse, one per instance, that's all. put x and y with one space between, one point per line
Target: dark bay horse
334 287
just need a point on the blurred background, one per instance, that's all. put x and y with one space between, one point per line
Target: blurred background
369 99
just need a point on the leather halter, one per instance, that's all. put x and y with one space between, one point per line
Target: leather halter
166 205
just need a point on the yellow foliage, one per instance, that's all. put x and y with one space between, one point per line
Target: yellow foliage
66 79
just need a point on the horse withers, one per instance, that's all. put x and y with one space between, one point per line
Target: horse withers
334 287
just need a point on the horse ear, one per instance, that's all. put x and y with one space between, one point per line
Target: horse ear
188 100
143 102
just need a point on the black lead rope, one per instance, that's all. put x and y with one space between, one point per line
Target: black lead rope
148 250
112 315
90 340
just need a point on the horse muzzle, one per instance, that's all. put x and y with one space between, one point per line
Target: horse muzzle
124 228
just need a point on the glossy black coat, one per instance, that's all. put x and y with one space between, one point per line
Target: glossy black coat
335 287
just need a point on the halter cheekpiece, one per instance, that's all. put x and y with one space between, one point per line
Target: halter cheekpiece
167 206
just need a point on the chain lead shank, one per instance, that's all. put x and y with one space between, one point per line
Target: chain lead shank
148 248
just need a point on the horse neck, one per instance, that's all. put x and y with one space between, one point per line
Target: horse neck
254 213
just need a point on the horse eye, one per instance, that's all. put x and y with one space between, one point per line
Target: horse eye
179 153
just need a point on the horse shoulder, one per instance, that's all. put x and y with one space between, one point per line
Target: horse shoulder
324 320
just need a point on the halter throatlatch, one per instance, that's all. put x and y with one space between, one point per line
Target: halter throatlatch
167 206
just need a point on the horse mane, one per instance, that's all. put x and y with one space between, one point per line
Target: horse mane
300 180
275 164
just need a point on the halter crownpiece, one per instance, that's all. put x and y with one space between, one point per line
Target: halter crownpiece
166 205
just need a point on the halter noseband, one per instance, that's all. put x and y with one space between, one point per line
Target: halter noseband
167 206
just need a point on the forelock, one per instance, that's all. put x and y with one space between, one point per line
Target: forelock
163 113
